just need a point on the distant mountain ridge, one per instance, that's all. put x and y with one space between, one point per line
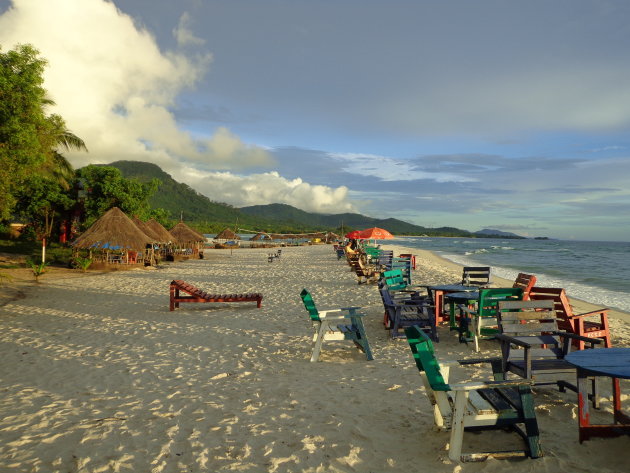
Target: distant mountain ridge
196 208
491 232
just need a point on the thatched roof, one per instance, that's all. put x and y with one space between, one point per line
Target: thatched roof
114 230
183 234
227 234
146 229
160 231
261 236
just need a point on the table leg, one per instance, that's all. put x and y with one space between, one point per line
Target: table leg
438 297
583 413
620 417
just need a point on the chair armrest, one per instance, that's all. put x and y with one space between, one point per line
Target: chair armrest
506 338
474 385
475 361
602 311
341 313
575 336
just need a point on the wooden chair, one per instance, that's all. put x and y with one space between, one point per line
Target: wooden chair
475 405
397 282
476 276
402 313
525 282
482 322
575 323
532 347
403 264
197 295
336 324
365 274
385 259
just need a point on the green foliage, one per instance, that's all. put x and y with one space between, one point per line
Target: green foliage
22 116
179 199
162 216
38 268
81 263
29 138
106 188
40 202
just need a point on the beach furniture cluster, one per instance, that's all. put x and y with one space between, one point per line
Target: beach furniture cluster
535 331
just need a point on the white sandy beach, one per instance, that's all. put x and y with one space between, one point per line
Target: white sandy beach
99 376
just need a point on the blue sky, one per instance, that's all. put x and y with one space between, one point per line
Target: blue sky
504 114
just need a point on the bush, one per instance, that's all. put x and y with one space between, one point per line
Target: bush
78 262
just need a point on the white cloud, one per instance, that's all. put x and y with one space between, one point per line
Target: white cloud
267 188
114 86
389 169
183 33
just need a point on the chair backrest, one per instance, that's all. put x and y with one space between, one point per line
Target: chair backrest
404 264
424 356
525 282
385 258
535 320
489 299
394 279
563 309
309 304
383 288
476 276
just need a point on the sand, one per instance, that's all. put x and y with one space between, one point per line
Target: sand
99 376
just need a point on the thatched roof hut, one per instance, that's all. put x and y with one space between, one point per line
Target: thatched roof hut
260 236
184 235
163 234
227 234
146 229
114 231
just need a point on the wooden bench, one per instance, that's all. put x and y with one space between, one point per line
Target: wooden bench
197 295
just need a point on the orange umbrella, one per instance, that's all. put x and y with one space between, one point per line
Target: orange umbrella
375 233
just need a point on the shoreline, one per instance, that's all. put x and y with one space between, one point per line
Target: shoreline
580 305
99 375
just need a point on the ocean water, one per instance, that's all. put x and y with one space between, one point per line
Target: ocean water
597 272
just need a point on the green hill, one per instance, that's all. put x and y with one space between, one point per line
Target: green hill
210 216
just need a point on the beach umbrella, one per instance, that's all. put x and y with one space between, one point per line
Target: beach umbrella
375 233
353 235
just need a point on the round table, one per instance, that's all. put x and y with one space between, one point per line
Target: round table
610 362
438 296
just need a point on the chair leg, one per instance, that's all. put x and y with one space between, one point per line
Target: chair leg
317 346
364 340
531 424
457 428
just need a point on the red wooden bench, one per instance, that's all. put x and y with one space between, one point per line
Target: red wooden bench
197 295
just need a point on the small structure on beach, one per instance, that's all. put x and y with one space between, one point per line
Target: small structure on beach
187 242
164 236
226 239
115 239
